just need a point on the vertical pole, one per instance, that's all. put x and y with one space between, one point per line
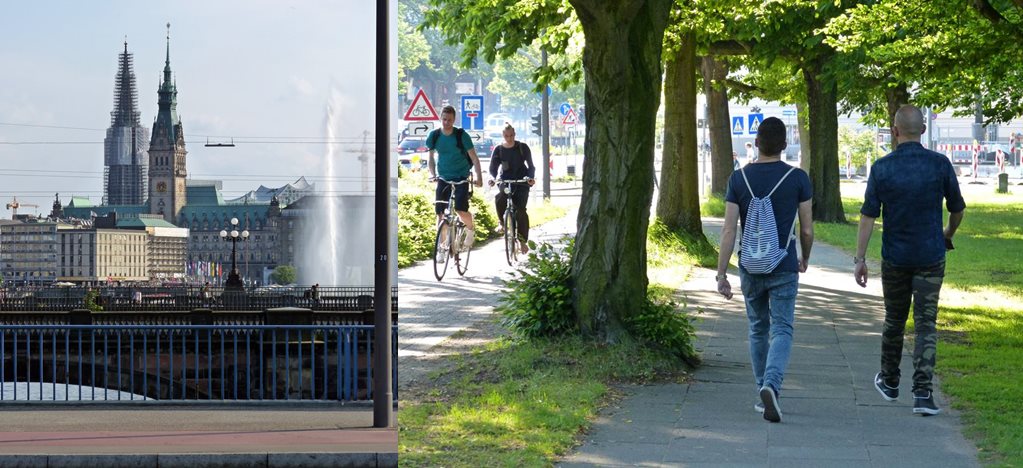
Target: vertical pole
382 395
545 129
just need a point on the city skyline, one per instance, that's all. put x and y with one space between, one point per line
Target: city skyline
258 73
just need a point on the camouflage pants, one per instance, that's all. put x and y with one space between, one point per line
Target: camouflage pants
903 285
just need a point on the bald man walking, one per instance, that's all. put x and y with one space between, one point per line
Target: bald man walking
908 185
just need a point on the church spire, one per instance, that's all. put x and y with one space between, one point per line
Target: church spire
167 81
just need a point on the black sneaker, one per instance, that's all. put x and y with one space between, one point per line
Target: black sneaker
758 407
923 403
772 412
888 393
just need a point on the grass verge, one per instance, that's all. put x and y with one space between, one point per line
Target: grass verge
980 320
520 402
524 402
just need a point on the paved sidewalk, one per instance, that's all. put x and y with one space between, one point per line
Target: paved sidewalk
832 415
107 436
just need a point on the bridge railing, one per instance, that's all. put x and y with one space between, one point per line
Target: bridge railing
157 363
165 298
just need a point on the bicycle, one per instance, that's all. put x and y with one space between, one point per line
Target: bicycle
453 226
511 237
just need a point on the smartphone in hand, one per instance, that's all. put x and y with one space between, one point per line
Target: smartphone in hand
948 244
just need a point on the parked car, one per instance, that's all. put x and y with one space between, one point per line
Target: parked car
412 145
484 147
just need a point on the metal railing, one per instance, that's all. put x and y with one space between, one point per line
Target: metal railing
184 298
222 363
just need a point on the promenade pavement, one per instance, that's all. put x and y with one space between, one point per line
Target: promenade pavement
274 435
832 415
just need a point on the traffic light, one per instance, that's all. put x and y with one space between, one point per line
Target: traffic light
537 125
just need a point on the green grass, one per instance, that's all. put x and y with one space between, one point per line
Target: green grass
979 354
544 212
980 320
518 402
713 206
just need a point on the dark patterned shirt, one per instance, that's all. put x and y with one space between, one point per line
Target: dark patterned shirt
907 187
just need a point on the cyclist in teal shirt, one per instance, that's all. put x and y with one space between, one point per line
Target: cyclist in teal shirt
453 163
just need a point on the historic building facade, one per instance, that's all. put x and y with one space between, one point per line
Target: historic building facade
167 152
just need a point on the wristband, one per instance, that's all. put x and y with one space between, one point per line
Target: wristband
858 260
721 277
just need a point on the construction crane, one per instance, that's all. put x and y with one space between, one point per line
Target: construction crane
15 204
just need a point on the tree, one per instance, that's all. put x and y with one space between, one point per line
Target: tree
283 274
715 74
623 76
787 30
415 51
859 146
622 60
678 202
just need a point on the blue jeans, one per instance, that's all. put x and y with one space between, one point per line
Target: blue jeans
770 307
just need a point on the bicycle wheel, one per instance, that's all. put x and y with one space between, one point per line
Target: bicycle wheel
441 252
461 257
509 236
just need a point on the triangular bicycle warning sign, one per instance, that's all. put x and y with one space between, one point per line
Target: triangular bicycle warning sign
570 117
421 109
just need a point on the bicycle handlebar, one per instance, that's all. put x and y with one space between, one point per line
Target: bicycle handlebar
466 181
513 181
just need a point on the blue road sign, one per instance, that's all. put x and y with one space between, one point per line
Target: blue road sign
540 94
472 112
737 127
565 107
754 123
788 113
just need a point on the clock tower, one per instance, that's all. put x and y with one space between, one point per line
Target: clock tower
167 151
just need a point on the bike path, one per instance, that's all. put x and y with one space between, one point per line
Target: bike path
431 311
832 415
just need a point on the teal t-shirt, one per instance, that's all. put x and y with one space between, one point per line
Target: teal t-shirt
451 163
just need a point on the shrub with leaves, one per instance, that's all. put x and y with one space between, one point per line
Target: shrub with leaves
92 300
665 324
416 227
484 215
538 300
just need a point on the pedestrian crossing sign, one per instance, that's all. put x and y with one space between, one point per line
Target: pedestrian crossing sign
737 127
754 123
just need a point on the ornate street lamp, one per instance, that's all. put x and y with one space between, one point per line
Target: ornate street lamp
234 282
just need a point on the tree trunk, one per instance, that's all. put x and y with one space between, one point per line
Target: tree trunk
895 97
804 137
719 123
678 202
822 101
622 64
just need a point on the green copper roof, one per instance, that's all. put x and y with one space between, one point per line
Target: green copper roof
85 212
203 195
79 202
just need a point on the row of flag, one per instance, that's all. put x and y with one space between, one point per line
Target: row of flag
205 268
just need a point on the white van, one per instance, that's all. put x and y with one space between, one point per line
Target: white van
494 124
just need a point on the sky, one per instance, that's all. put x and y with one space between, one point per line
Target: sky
259 71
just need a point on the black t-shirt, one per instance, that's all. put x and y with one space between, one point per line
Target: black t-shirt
515 162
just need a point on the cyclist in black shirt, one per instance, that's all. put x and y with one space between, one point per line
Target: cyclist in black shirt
515 161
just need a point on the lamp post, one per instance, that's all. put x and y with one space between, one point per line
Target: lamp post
234 282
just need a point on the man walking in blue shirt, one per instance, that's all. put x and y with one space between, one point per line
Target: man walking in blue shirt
908 185
770 297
